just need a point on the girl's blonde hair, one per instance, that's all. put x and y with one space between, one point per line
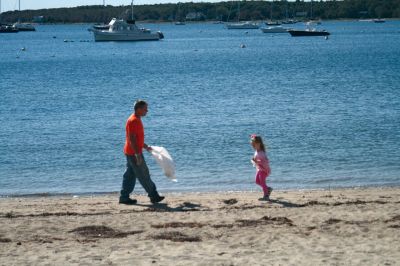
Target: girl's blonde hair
258 139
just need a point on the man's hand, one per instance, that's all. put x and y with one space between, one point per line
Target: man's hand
139 159
148 148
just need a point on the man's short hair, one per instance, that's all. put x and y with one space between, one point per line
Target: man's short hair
139 104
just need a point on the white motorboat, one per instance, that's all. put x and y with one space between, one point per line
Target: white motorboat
309 31
277 29
121 30
24 26
242 25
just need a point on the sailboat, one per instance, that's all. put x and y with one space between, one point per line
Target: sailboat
248 25
121 30
287 20
6 28
312 20
180 21
271 22
23 26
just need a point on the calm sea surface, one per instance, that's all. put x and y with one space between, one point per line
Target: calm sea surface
329 110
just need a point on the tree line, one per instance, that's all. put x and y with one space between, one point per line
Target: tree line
225 11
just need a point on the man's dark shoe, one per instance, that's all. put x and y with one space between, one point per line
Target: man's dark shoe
128 201
157 199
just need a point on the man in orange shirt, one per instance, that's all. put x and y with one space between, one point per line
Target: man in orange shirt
136 167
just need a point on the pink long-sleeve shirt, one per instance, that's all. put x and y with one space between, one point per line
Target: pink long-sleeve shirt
262 162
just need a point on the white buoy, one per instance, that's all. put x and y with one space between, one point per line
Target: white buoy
326 38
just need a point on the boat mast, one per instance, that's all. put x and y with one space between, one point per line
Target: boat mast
238 10
19 5
132 9
287 10
270 12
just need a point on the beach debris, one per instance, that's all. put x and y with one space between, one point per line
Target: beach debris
266 220
230 201
178 225
176 237
101 231
5 240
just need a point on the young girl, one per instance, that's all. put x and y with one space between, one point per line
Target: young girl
261 162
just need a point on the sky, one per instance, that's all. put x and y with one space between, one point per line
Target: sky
7 5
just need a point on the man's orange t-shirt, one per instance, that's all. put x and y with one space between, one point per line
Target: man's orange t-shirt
134 126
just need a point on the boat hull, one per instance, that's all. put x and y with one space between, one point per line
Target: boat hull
26 29
105 36
274 30
306 33
242 26
8 30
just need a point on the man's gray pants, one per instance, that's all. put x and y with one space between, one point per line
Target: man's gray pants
133 172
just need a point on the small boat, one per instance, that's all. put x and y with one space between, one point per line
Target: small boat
277 29
272 23
24 26
100 27
8 29
121 30
290 21
242 26
314 22
180 23
308 32
379 20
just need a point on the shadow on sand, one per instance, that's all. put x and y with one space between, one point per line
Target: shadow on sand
287 204
163 207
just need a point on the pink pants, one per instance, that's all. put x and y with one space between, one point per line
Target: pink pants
261 178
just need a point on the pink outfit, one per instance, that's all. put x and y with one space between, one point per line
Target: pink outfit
263 170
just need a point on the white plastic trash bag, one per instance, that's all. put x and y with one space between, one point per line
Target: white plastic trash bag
164 159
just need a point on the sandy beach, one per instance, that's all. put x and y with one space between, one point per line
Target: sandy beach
335 227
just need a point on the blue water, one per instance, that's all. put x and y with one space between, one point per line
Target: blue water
329 110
